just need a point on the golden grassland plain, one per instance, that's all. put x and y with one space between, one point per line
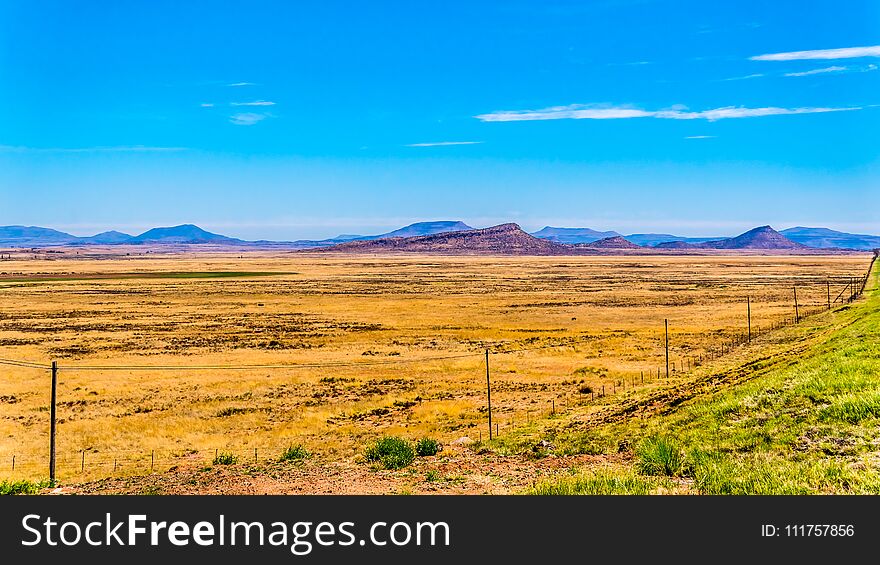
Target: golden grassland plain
369 334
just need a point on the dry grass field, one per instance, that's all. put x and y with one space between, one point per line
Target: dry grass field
353 347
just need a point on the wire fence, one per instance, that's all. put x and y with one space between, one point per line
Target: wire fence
93 462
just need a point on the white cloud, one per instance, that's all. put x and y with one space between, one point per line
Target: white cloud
247 118
443 143
242 84
98 149
254 103
756 75
834 69
701 137
571 112
207 105
589 112
844 53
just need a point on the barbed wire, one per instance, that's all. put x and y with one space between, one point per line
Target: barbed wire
22 363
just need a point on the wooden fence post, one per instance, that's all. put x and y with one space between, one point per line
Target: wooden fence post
52 424
488 395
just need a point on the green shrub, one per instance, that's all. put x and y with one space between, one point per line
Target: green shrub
660 456
427 447
295 453
22 487
225 459
391 453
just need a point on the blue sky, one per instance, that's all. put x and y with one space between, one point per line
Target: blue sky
287 120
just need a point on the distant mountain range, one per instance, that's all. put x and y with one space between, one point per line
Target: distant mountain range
510 239
823 238
763 237
652 239
412 230
483 240
504 239
572 235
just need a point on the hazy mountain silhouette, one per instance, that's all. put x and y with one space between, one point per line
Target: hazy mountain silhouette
572 235
825 238
651 239
185 233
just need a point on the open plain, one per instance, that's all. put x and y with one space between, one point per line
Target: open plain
168 360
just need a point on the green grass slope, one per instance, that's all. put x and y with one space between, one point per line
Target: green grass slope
807 426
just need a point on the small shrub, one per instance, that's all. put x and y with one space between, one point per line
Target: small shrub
426 447
225 459
660 456
295 453
391 453
232 411
585 389
432 476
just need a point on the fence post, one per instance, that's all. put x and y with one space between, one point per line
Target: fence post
488 395
666 333
749 309
52 424
82 466
797 316
152 459
828 293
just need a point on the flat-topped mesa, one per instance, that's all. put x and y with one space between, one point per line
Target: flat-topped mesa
504 239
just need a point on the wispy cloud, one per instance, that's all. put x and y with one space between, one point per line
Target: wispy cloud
242 84
98 149
843 53
254 103
834 69
593 112
701 137
443 143
248 118
756 75
207 105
